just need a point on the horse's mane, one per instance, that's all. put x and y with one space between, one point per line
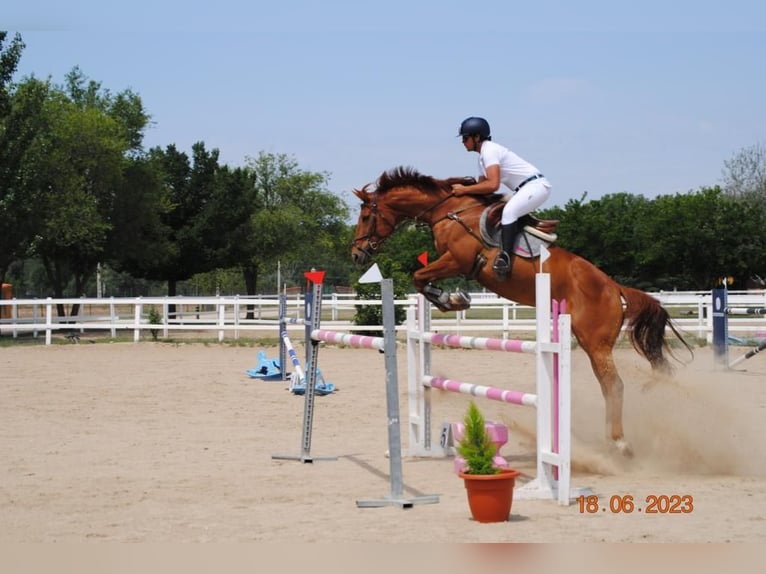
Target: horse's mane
403 176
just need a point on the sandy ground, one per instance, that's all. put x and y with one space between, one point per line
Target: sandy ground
173 443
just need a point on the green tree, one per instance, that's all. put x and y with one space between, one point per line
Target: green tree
78 165
9 61
140 241
20 121
295 219
75 166
373 315
605 232
187 187
226 219
694 239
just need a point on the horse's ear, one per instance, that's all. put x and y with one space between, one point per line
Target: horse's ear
362 193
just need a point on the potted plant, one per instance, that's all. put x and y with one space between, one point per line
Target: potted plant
489 488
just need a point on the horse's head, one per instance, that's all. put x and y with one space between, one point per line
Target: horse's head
375 225
400 194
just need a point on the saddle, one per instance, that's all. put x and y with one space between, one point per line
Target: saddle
535 232
544 226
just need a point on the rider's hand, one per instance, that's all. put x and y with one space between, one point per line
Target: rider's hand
458 189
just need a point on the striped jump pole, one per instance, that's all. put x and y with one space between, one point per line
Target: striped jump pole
290 351
284 341
721 313
457 341
751 353
349 339
552 399
492 393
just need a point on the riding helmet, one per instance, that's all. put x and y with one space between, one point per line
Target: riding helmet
473 125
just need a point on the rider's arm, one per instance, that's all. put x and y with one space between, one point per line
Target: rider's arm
485 185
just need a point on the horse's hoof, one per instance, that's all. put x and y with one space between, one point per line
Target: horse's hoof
459 301
624 448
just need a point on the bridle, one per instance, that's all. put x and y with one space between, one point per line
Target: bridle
374 242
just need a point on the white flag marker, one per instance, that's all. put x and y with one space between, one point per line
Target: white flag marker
372 275
544 254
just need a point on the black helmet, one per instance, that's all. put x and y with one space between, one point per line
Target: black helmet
473 125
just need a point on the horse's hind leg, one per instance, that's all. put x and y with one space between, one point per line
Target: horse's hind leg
612 388
596 322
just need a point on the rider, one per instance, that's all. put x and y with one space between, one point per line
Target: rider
527 188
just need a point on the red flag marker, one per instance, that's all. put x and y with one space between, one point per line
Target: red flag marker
315 277
423 258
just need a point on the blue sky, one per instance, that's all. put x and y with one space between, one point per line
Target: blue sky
647 97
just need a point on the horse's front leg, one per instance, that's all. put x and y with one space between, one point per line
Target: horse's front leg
443 268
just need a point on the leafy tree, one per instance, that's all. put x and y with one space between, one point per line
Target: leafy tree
295 220
694 239
373 315
226 219
20 122
336 260
605 232
72 169
187 187
745 173
684 241
744 178
9 61
140 241
78 165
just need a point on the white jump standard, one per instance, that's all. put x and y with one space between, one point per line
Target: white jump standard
552 399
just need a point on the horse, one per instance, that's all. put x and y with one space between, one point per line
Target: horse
593 299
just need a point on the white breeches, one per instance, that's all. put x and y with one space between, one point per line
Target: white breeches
526 200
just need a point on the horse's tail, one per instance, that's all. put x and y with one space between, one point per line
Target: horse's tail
647 320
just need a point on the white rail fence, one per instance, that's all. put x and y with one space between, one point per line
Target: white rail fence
236 316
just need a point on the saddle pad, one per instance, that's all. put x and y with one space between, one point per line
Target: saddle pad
527 244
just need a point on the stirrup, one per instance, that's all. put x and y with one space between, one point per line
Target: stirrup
502 263
502 266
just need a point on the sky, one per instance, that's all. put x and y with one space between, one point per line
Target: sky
603 97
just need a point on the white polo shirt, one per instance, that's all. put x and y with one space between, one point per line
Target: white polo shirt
513 169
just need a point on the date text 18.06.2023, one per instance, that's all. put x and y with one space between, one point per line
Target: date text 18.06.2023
626 504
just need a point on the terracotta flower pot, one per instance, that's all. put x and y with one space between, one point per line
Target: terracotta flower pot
490 496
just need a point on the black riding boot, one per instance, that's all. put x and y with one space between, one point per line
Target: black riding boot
504 260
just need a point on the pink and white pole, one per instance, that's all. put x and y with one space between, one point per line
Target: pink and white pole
349 339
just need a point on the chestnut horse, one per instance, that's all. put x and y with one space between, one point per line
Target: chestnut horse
598 305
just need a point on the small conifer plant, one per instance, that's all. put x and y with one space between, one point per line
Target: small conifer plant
476 447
